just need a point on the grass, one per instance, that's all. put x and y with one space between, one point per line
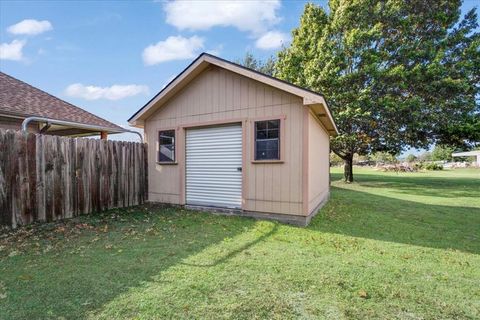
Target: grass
396 246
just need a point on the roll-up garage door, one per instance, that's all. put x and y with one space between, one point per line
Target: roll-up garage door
213 166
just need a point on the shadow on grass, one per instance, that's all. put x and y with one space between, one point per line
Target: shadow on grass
361 214
233 252
89 271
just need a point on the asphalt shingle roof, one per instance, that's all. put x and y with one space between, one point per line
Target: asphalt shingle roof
21 99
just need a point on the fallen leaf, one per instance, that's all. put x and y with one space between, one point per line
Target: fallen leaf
363 294
25 277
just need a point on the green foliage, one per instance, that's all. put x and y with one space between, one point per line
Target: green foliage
464 135
442 153
383 157
391 246
393 72
358 158
432 166
335 160
425 156
411 158
266 67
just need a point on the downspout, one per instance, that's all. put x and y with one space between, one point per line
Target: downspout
76 125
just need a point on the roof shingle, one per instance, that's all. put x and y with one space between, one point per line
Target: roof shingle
21 99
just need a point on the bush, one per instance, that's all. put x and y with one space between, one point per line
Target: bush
441 153
428 166
411 158
433 166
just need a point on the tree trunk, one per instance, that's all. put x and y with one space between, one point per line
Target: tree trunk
348 168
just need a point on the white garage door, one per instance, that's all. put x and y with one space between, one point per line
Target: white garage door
213 166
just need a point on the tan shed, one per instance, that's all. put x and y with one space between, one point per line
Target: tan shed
228 138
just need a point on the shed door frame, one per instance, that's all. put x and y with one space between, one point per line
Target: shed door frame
183 147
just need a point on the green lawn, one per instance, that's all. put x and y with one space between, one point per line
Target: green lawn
389 246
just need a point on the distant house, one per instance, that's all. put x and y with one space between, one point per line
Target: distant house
224 136
475 153
19 100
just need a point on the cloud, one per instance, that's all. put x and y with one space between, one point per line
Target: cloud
216 51
30 27
172 48
252 16
12 50
115 92
272 40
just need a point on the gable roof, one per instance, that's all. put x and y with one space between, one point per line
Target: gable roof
20 99
310 98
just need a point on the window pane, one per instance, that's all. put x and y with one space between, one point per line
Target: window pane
273 124
261 152
167 153
166 137
267 150
261 134
272 134
272 154
272 144
166 141
267 140
261 125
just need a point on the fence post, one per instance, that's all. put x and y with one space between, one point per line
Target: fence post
45 178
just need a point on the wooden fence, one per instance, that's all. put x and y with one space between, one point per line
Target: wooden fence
45 178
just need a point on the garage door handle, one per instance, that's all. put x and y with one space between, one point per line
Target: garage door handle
239 169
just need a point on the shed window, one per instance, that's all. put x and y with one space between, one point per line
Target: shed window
166 144
267 140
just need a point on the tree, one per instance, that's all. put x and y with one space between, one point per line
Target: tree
383 157
463 136
425 156
411 158
266 67
335 160
393 72
442 153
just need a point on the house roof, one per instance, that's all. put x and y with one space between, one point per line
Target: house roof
19 99
310 98
467 153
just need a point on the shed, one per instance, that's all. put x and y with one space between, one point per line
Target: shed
19 101
224 137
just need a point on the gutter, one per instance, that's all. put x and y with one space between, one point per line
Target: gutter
76 125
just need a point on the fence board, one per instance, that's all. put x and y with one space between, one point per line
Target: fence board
46 178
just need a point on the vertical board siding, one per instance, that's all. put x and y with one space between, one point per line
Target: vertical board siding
318 163
220 95
46 178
